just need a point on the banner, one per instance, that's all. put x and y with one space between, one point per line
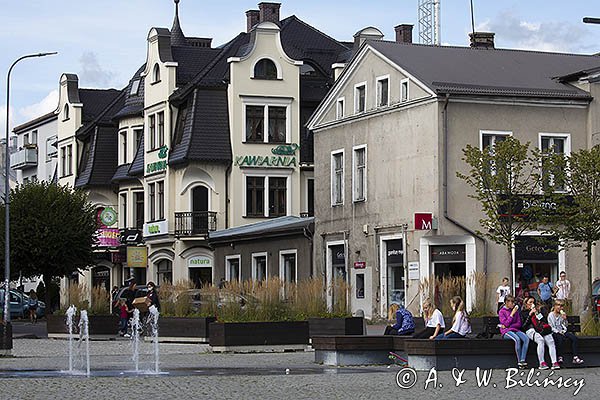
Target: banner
137 257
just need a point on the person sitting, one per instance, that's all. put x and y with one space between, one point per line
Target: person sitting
434 322
536 329
510 329
405 323
460 322
557 319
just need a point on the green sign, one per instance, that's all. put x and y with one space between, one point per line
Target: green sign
108 216
268 161
162 153
285 149
156 167
154 229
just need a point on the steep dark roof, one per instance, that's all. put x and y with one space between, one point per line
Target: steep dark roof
95 101
191 60
121 173
134 103
137 166
273 227
480 71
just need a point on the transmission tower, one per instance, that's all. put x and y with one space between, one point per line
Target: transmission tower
429 22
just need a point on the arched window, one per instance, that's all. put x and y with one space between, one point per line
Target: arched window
265 69
156 73
66 112
308 70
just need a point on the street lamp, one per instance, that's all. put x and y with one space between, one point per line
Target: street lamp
6 195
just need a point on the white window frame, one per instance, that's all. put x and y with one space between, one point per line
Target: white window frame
277 66
484 132
123 221
261 173
228 265
355 197
404 83
340 104
332 177
309 178
123 143
135 87
282 253
356 97
266 102
378 90
255 265
567 147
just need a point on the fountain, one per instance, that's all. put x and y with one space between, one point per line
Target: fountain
153 321
135 338
70 314
84 337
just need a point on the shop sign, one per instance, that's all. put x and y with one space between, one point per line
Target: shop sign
131 236
199 262
424 222
118 258
526 206
448 253
265 161
394 252
157 166
108 216
413 270
338 255
101 273
156 228
360 265
137 256
285 149
536 248
108 237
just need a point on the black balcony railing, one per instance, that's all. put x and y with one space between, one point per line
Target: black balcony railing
195 223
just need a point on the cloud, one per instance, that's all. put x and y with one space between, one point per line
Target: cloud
516 32
92 72
46 105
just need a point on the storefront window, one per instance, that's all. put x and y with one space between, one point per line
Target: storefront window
394 255
164 272
535 256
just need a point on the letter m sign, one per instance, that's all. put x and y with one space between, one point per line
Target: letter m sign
423 221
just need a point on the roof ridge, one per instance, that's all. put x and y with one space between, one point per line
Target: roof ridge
100 90
294 17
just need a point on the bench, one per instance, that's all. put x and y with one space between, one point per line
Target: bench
357 349
490 325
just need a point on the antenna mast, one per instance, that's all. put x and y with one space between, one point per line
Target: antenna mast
429 15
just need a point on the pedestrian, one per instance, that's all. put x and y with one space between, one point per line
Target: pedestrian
558 321
536 328
545 290
124 312
130 292
501 293
405 323
434 322
221 283
33 306
563 287
152 296
461 325
510 329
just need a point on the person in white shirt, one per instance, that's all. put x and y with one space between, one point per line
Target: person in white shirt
434 322
563 287
501 293
460 323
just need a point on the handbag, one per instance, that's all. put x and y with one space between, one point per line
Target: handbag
540 325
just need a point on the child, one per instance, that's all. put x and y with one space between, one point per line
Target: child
434 322
460 323
501 293
532 319
405 324
124 312
33 305
510 328
558 321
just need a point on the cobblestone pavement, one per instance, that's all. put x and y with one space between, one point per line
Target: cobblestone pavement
195 373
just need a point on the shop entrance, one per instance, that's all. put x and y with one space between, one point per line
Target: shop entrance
201 276
338 277
449 272
101 278
535 256
394 260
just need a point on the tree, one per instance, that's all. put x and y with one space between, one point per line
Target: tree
501 177
52 231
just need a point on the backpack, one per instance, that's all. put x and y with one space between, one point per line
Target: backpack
540 325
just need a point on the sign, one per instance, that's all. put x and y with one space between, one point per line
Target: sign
423 221
199 262
265 161
530 249
108 216
131 237
413 270
338 255
137 256
156 228
394 252
285 149
108 237
156 167
118 258
448 253
521 207
360 265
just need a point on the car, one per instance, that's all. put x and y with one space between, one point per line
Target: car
19 304
140 291
206 299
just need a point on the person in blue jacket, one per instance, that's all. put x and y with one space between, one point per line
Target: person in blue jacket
405 323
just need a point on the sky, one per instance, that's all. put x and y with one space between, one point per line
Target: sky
104 42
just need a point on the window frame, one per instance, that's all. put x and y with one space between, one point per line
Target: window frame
333 175
278 75
123 204
266 103
404 93
152 131
69 159
228 259
282 254
160 199
378 93
357 88
136 196
355 150
276 191
255 265
123 147
160 129
152 201
341 101
155 73
566 149
266 174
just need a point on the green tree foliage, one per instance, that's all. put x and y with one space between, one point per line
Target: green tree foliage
52 231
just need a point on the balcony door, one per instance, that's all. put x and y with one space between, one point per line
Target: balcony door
199 210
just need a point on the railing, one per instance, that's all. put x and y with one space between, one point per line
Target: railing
26 157
195 223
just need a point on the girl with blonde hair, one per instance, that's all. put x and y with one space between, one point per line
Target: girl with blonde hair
434 321
460 322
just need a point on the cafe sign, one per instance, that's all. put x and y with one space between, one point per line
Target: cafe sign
156 228
161 165
266 161
137 257
199 262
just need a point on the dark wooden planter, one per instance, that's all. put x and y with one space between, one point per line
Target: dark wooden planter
335 326
182 327
228 334
5 337
99 324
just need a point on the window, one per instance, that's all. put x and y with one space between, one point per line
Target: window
275 119
308 70
360 286
151 200
277 196
179 125
277 124
255 194
135 88
254 123
259 266
265 69
160 188
360 97
404 95
66 112
164 272
63 161
138 134
124 210
33 178
233 272
139 209
70 159
339 112
161 129
156 74
337 178
287 266
359 175
489 139
553 175
51 149
123 154
152 131
383 92
310 196
34 137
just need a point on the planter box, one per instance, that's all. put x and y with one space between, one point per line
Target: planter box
258 336
182 329
100 326
6 343
335 326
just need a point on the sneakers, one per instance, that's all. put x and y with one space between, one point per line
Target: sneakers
522 364
577 360
127 335
560 359
555 365
543 365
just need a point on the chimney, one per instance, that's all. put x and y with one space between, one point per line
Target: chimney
404 33
482 39
252 19
368 33
269 12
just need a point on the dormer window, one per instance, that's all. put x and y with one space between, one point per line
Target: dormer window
156 74
265 69
135 88
308 70
66 112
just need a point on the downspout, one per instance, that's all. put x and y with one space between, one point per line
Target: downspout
309 235
227 171
445 188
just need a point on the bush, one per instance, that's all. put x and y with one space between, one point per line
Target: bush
76 295
100 301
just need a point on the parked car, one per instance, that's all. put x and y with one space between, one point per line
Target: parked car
140 291
19 304
200 299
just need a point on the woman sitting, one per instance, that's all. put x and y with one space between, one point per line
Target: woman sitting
405 324
460 322
558 321
536 329
510 329
434 322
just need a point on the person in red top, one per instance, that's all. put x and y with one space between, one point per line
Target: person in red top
124 312
510 328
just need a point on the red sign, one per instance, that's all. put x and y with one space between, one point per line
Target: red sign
360 265
423 221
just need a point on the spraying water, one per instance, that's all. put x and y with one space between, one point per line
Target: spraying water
135 338
153 321
70 314
84 337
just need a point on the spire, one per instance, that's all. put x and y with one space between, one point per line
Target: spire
177 36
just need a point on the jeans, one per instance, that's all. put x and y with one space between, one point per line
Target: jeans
521 343
123 325
560 338
547 340
452 335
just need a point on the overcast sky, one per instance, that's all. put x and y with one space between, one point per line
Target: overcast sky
104 41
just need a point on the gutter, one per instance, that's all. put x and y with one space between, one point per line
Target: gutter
445 189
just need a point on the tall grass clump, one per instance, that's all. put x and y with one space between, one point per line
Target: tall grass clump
176 298
76 295
100 304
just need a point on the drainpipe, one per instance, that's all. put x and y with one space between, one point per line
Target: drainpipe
227 171
309 235
445 188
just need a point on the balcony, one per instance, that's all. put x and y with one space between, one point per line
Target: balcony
24 158
197 223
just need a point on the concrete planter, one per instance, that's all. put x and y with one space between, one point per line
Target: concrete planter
101 326
335 326
183 329
6 344
258 336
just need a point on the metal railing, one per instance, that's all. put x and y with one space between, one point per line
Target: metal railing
195 223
